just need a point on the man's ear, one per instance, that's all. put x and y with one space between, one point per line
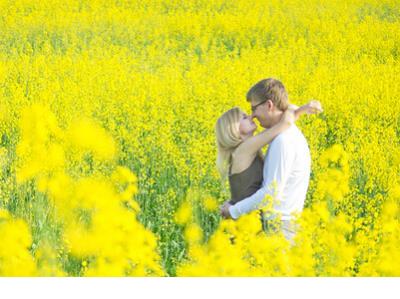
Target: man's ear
270 105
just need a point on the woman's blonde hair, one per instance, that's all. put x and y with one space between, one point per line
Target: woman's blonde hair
228 138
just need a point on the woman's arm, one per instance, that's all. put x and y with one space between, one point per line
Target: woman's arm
253 144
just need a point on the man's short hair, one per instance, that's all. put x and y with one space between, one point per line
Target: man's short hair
269 89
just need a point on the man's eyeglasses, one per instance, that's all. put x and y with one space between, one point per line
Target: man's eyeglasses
253 108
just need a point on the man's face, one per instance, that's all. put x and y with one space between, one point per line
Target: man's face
263 111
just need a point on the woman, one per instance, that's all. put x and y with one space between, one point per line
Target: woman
239 151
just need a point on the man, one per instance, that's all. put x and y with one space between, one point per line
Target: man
287 164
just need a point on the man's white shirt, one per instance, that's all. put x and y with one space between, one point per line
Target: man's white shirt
288 164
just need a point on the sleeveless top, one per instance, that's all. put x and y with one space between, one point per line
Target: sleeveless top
247 182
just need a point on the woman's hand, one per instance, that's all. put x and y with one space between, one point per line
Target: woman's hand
313 107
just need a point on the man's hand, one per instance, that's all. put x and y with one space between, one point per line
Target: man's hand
224 209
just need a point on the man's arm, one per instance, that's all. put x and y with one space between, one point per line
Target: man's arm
277 167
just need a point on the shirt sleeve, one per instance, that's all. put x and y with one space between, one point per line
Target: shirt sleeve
277 167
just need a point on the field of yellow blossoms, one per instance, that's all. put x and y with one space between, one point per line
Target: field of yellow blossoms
107 147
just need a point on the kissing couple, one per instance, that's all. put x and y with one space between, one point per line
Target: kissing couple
283 174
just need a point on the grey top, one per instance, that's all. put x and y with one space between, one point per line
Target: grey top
247 182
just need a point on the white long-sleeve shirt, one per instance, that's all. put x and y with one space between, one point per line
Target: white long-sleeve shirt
288 164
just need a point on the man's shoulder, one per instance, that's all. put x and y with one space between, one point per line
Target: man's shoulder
280 142
289 137
286 135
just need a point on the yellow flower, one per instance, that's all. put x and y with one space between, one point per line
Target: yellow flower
193 233
184 214
210 204
86 135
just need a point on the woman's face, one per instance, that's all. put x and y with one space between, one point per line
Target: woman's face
246 125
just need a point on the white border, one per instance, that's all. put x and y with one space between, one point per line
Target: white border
204 288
